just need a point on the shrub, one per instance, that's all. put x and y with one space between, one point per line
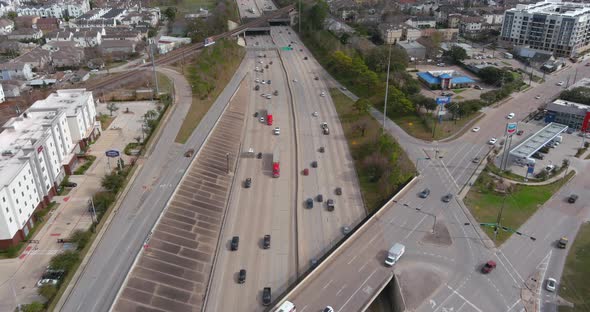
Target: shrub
80 238
34 306
48 291
65 261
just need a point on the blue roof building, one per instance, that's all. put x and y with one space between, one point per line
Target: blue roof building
444 80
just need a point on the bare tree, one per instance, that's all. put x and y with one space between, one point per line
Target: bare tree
112 107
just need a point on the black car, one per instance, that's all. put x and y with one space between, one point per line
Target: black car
305 58
316 78
257 87
338 191
256 114
572 199
259 156
314 164
70 184
309 203
519 132
322 149
424 193
53 274
242 276
447 198
266 296
248 183
538 155
266 241
570 130
330 204
268 81
235 242
319 198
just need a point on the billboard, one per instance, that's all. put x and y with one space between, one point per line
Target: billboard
511 128
112 153
443 100
209 41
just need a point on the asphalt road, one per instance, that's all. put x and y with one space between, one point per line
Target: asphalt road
110 262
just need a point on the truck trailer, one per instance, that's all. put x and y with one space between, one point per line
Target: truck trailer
276 167
269 118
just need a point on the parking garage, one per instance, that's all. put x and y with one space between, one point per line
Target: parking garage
524 150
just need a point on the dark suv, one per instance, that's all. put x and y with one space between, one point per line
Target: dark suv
266 241
242 276
572 199
330 204
248 183
235 242
309 203
425 193
447 198
266 296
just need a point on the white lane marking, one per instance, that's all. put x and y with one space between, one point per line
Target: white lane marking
507 269
510 263
442 303
357 290
432 303
341 289
305 307
461 307
465 299
327 284
544 263
512 306
415 227
363 266
352 259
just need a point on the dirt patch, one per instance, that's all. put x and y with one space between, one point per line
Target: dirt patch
440 237
418 283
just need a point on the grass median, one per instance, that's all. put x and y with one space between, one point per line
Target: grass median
574 286
520 203
380 163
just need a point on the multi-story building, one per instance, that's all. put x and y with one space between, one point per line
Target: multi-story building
571 114
559 27
37 148
55 8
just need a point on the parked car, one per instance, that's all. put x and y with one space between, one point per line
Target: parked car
338 191
314 164
316 78
561 83
492 141
319 198
488 267
322 149
477 87
314 114
235 242
476 129
330 205
328 309
70 184
549 168
309 203
266 296
551 284
261 119
266 241
519 132
570 130
46 281
305 171
447 198
257 87
242 276
248 183
537 97
510 116
572 199
305 58
323 94
346 230
476 160
189 153
424 193
538 155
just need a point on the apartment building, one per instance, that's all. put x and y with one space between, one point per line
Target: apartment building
562 28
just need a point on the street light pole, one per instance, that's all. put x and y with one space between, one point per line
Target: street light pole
227 157
386 90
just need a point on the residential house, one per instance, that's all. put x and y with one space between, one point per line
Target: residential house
454 20
15 70
470 24
67 57
87 38
413 49
80 76
15 48
422 22
55 8
48 24
59 36
442 12
6 26
344 9
123 34
411 34
37 59
426 8
12 88
118 49
446 34
167 43
25 21
25 34
390 34
494 18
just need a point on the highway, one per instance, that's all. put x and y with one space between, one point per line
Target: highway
449 266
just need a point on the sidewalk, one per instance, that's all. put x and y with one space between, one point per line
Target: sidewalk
18 277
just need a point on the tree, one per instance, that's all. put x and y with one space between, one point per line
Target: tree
65 261
362 106
170 13
344 38
317 15
112 182
112 107
11 15
579 95
80 238
377 58
457 54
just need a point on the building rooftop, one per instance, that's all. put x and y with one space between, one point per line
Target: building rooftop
534 143
68 99
434 77
554 7
567 107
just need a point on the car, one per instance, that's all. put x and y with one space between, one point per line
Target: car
447 198
277 131
476 160
70 184
338 191
343 88
346 230
276 92
424 193
561 83
242 276
440 64
570 130
562 242
266 241
46 281
268 81
256 114
510 116
261 119
488 267
316 78
326 131
266 296
305 58
330 204
537 97
294 80
587 64
476 129
572 199
259 156
268 96
314 164
94 71
322 149
538 117
257 80
477 87
544 150
313 262
314 114
328 309
519 132
305 172
492 141
189 153
324 125
248 183
235 242
549 168
309 203
551 284
319 198
323 94
538 156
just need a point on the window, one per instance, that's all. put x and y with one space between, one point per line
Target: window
10 220
17 200
20 211
3 199
22 194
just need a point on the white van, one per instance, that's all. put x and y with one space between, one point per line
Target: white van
395 252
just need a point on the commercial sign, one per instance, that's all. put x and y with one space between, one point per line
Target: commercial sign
39 149
112 153
511 128
443 100
530 168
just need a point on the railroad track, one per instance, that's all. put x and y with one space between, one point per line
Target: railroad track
179 54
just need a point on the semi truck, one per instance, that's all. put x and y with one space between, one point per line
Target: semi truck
394 253
276 167
269 118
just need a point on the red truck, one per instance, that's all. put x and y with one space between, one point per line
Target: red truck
276 168
269 116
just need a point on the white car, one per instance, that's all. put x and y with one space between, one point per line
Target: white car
314 114
561 83
492 141
257 80
476 129
549 168
277 131
323 94
551 284
328 309
510 116
46 281
261 119
268 96
537 97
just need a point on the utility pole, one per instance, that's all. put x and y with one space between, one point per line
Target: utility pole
93 217
386 90
300 12
152 43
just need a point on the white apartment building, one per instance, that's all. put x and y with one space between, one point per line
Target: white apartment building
34 145
559 27
2 97
56 8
